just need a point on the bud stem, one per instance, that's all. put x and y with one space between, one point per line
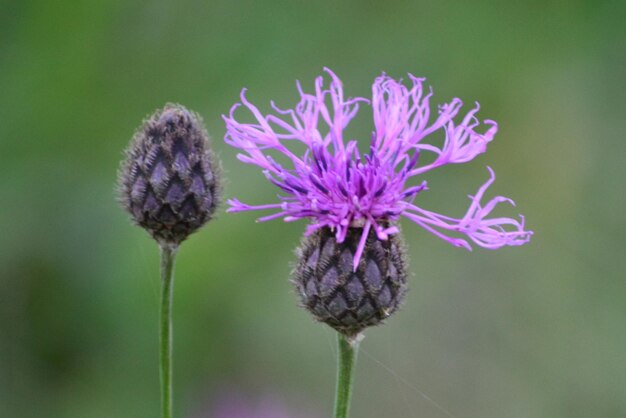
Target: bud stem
167 284
348 350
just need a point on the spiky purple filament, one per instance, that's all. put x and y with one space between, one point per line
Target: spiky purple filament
338 187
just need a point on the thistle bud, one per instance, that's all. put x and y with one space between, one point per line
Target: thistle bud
169 181
345 298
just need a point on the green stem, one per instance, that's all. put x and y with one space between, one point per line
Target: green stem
348 350
167 285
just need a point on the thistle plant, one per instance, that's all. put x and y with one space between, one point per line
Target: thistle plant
351 270
169 183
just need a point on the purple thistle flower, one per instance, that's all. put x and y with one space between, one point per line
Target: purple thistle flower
339 187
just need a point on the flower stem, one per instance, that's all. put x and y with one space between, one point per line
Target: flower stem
167 284
348 350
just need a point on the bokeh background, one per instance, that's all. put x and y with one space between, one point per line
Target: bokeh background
535 331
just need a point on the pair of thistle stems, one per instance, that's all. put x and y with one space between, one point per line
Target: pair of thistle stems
170 184
351 271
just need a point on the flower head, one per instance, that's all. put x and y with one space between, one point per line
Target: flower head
339 187
169 181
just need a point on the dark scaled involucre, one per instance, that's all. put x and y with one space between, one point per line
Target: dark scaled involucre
341 297
169 182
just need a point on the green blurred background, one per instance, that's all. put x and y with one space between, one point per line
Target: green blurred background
534 331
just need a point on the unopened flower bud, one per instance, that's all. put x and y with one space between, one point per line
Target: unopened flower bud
345 298
169 181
